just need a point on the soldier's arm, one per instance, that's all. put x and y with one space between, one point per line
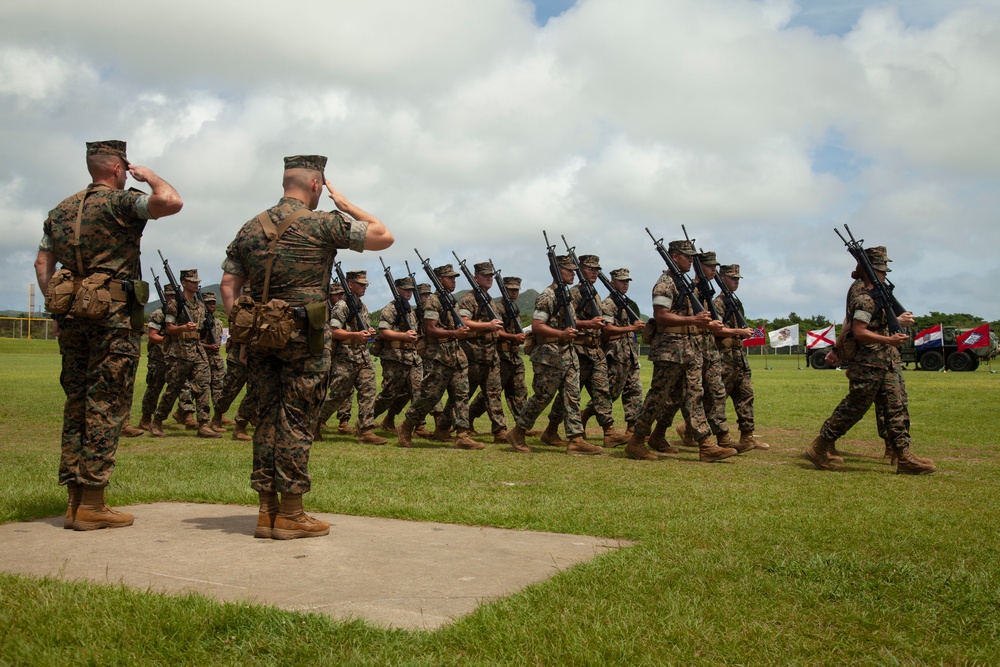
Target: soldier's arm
45 266
378 237
231 287
164 201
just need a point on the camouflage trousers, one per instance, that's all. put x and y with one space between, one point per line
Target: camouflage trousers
714 389
437 379
400 383
156 377
739 387
98 374
561 383
486 378
515 391
346 377
232 384
290 385
885 388
676 385
217 370
625 383
593 377
195 373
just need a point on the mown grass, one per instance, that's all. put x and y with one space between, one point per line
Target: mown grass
760 560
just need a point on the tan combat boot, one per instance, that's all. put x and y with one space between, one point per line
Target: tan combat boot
579 447
156 428
389 423
723 440
145 421
404 432
585 416
240 432
129 431
421 431
636 449
185 419
686 439
550 436
93 513
818 453
909 464
613 438
749 437
709 452
226 421
216 424
345 428
292 522
367 437
893 455
464 440
75 493
206 431
500 437
515 437
630 428
266 514
658 440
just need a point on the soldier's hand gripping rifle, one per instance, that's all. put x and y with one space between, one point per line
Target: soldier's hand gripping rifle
182 305
732 303
882 293
208 324
419 306
512 314
622 303
159 288
702 283
402 305
681 280
588 295
353 303
483 299
563 299
447 300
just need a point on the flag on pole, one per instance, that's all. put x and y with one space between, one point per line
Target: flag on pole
785 337
757 338
929 338
821 338
978 337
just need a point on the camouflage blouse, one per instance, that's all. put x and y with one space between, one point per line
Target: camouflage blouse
551 313
387 320
861 307
447 352
340 318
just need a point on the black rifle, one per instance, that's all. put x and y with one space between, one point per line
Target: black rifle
882 293
208 324
483 298
681 280
402 305
588 295
353 302
563 299
419 305
182 305
447 300
159 289
702 283
512 314
732 303
621 301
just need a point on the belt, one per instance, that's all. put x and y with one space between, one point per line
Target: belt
114 286
688 330
616 337
542 340
401 345
587 342
354 342
725 343
482 339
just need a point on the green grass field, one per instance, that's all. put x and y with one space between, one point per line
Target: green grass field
755 561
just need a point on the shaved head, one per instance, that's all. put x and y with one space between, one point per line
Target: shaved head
301 179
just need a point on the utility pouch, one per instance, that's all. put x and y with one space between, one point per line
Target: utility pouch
849 349
93 299
275 323
316 319
529 342
136 295
649 331
60 292
241 320
421 346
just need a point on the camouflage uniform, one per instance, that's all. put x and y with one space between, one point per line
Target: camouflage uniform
187 362
290 383
402 368
735 368
156 365
99 357
484 362
217 367
352 368
512 382
232 384
622 353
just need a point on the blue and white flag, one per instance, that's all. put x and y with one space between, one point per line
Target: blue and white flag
929 338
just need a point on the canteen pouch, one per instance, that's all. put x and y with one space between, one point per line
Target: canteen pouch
241 320
275 323
529 342
137 292
60 292
316 319
93 299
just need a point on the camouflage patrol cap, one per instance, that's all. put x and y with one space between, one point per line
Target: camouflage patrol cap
684 247
336 288
110 147
169 289
190 274
879 258
404 283
445 271
424 288
512 282
485 268
565 262
314 162
731 270
209 297
590 262
620 274
708 258
360 277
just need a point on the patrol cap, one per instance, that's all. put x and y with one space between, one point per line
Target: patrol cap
731 270
424 288
620 274
445 271
590 261
684 247
404 283
512 282
879 258
190 274
209 297
169 289
314 162
485 268
708 258
360 277
110 147
336 288
565 262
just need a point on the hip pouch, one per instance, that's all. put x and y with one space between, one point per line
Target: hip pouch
60 292
274 325
241 320
316 318
93 299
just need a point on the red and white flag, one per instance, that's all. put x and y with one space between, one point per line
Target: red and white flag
758 337
978 337
821 338
928 338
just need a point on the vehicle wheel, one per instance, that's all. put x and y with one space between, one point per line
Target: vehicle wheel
818 360
959 361
975 360
931 361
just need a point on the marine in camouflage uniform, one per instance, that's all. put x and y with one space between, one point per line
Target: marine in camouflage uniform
556 370
446 368
187 359
874 377
622 351
217 367
481 351
233 382
352 366
156 361
402 368
291 382
509 342
678 362
98 231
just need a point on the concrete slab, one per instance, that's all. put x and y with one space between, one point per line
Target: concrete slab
400 574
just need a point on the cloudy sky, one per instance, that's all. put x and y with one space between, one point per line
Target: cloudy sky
473 126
